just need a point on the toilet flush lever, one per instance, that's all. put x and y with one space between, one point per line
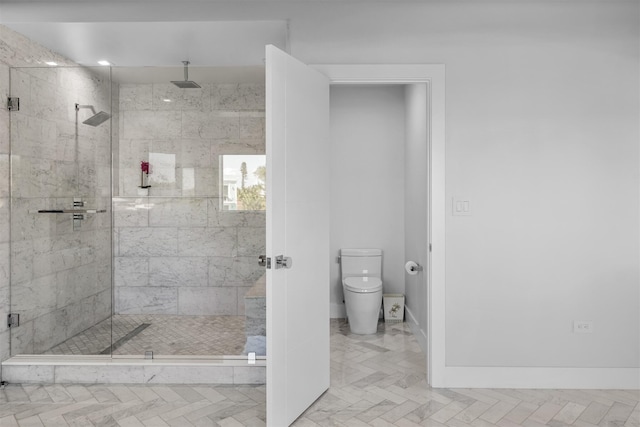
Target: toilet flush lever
283 262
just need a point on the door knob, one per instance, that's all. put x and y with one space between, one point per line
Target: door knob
283 262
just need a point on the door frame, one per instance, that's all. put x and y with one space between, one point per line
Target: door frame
433 75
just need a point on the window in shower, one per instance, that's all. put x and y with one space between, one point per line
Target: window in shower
243 182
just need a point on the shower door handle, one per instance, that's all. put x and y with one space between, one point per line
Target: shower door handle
283 262
264 261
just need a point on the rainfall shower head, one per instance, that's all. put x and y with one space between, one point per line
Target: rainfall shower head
186 83
97 118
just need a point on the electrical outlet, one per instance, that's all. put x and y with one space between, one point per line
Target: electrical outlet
583 326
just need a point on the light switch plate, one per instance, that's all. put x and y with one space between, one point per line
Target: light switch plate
461 206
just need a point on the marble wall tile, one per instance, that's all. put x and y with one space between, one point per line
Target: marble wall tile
196 153
221 271
103 305
151 124
22 338
241 291
4 267
252 128
4 113
31 374
130 212
4 219
181 99
179 212
206 182
251 241
207 301
234 271
146 300
5 307
4 175
34 298
33 136
135 97
130 271
243 96
178 271
220 218
213 125
101 374
149 241
5 350
26 225
210 241
75 283
244 146
49 330
49 262
249 375
21 261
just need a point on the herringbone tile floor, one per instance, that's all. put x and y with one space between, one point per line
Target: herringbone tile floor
376 380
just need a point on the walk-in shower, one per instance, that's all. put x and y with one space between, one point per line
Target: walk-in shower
97 118
157 270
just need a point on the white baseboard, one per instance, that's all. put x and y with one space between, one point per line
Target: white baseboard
418 332
542 378
338 311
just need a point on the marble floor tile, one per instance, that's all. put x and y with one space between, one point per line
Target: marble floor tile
395 394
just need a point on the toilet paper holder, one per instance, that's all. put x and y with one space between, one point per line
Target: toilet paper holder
412 267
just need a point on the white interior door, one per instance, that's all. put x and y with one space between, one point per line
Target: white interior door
297 146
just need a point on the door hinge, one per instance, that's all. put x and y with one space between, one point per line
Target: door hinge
429 247
13 103
13 320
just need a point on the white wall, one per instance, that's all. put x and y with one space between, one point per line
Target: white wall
542 137
367 180
416 207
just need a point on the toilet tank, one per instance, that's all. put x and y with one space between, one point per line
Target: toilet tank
355 261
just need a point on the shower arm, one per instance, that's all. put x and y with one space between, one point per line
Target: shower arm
186 70
93 110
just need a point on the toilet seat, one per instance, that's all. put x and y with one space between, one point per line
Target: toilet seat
362 284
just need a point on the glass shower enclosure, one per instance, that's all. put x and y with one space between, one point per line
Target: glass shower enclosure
137 213
60 208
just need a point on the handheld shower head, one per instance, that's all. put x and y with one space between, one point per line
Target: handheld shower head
186 83
97 118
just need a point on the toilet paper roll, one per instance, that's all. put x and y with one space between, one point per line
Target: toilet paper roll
411 267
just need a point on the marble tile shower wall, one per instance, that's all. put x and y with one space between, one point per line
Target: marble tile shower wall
176 251
60 278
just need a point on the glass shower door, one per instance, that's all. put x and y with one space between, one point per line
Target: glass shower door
61 289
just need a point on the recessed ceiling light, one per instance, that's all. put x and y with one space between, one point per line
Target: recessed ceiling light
53 64
104 62
166 100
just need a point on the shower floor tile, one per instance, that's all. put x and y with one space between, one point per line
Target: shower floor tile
162 334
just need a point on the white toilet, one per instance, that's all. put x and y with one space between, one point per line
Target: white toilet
362 286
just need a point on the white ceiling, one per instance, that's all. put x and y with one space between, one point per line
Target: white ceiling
136 44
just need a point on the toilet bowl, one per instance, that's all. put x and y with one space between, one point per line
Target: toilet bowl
363 297
362 287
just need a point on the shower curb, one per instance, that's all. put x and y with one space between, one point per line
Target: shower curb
108 370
